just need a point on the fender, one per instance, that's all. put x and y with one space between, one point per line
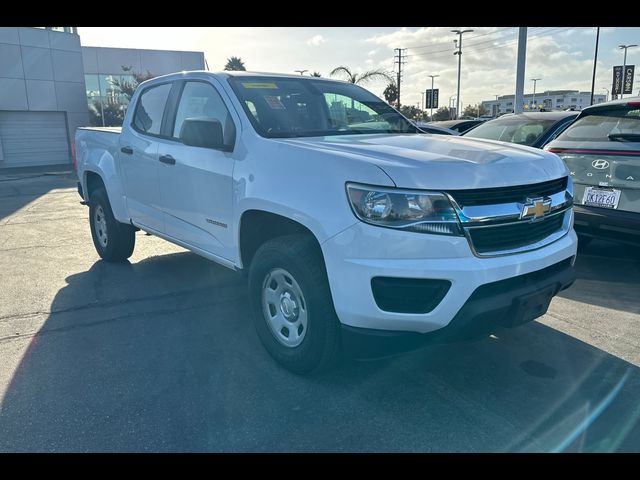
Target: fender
102 162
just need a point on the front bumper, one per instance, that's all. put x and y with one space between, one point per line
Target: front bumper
617 225
361 252
505 303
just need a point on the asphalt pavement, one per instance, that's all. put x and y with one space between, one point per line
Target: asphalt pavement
159 354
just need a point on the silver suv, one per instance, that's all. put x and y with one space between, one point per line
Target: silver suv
602 150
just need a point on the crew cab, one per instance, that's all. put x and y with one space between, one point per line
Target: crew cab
352 224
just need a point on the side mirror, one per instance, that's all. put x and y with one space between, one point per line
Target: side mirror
202 132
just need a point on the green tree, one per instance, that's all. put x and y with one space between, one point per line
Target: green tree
128 87
113 114
411 111
391 93
316 74
474 111
235 64
357 78
443 113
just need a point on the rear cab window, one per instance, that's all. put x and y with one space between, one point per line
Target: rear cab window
150 109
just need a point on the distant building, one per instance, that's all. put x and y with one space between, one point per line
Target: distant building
102 66
548 100
49 83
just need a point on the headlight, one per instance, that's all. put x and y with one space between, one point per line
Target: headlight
425 212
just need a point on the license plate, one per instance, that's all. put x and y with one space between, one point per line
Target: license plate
598 197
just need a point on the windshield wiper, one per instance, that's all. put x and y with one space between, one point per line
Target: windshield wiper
624 137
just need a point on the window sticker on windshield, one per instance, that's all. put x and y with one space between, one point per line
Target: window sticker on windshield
271 86
274 102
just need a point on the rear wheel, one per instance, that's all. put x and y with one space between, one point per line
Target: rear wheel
292 306
114 241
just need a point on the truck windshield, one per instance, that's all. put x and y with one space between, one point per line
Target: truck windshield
290 107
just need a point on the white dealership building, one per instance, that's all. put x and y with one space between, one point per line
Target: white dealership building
548 100
50 85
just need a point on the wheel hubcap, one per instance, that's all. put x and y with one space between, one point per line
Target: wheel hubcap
100 226
284 307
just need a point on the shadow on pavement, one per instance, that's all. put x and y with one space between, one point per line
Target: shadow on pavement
608 275
162 356
18 187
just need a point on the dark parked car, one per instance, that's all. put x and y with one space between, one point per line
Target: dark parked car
534 129
431 128
602 150
460 126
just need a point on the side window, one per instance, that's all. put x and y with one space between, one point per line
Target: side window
148 115
201 100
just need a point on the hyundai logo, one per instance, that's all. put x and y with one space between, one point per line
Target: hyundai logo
535 208
600 164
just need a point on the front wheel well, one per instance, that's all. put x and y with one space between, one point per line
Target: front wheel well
258 227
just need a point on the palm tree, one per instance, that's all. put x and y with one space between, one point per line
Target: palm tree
235 63
316 74
357 78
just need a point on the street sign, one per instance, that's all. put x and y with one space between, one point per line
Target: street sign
628 79
431 100
616 88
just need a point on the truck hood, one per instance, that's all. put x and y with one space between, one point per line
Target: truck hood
443 162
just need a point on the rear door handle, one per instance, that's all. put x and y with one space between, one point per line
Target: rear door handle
168 159
127 150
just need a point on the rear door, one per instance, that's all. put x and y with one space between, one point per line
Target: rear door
602 151
139 157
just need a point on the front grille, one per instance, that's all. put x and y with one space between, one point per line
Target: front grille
513 235
518 193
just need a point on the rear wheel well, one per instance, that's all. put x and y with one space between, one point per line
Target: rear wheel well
94 182
258 227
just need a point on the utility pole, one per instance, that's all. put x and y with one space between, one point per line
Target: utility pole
624 65
518 101
595 63
459 53
533 102
432 77
398 59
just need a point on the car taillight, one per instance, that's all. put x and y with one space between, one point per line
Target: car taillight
73 156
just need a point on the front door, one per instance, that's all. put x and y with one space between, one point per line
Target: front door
196 182
138 156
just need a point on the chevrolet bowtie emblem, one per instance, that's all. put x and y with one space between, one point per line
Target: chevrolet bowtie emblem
535 208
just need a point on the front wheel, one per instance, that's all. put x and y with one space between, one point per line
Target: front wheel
114 241
292 306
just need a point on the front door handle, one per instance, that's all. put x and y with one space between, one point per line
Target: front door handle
168 159
127 150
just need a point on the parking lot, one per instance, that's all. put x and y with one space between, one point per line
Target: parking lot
160 355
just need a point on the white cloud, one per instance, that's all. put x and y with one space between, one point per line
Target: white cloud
316 40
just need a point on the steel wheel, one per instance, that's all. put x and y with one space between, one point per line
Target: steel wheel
284 307
100 226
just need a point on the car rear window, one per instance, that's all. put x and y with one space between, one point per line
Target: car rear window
598 126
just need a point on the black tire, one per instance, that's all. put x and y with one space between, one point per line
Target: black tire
120 237
299 255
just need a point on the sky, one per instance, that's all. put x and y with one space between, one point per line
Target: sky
562 57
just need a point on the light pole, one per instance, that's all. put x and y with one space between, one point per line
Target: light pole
301 72
624 64
432 77
459 53
422 99
607 97
535 80
451 105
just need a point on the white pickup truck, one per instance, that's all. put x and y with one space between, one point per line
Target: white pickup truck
352 224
